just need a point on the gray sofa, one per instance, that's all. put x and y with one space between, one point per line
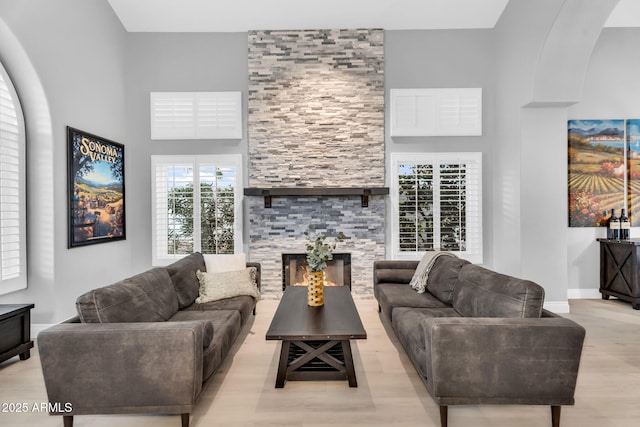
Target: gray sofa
480 337
141 345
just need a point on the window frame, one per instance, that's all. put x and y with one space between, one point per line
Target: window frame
225 160
473 221
18 282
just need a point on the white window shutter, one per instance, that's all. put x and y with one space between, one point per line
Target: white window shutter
437 203
196 115
173 115
13 272
436 112
213 182
218 115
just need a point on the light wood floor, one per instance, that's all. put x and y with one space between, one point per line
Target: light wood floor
242 392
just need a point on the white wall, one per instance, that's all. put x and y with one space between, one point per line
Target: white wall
75 65
67 59
175 62
611 91
445 59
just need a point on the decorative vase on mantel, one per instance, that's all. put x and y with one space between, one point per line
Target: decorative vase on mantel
318 253
315 288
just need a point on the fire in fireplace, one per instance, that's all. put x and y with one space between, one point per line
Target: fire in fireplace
294 270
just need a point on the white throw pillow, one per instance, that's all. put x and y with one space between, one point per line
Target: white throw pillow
227 284
225 262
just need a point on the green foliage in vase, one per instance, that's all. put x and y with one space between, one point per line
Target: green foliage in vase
318 250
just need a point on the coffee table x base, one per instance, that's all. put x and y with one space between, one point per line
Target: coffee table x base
316 360
316 340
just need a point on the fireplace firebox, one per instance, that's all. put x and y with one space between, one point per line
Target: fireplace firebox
295 268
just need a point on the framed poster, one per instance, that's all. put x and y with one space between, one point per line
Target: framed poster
95 189
596 176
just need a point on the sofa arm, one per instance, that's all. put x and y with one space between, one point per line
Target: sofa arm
502 360
106 368
392 271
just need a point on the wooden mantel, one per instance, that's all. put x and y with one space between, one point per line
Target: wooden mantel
363 192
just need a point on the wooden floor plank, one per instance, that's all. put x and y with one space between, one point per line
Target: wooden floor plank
389 393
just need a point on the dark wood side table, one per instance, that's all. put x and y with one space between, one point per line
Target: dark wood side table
619 270
15 331
315 340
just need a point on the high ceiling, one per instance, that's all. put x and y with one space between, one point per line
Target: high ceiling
245 15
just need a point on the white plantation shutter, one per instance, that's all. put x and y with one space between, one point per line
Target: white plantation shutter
415 210
218 115
437 199
13 272
172 115
196 115
196 205
436 112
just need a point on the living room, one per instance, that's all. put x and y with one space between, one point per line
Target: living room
74 63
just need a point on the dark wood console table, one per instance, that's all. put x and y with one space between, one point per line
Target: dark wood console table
15 331
315 340
620 270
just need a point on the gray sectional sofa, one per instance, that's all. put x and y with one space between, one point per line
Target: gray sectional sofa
479 337
141 345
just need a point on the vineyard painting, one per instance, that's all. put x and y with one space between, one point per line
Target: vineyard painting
633 165
596 150
96 189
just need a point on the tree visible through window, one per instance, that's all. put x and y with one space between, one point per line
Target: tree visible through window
437 203
197 205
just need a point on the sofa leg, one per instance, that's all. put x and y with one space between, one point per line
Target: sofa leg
379 309
67 420
555 416
444 415
185 420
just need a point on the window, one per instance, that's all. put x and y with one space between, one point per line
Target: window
436 111
437 204
196 115
197 204
13 249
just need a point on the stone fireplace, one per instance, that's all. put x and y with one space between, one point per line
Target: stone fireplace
316 127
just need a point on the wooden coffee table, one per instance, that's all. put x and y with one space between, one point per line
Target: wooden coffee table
315 340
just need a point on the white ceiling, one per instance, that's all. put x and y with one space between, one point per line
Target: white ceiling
245 15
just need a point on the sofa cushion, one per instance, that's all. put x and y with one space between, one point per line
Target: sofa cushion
243 304
406 324
207 325
228 284
419 279
145 297
183 276
226 328
392 295
443 277
485 293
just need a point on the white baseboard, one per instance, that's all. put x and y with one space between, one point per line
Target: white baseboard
557 306
583 294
